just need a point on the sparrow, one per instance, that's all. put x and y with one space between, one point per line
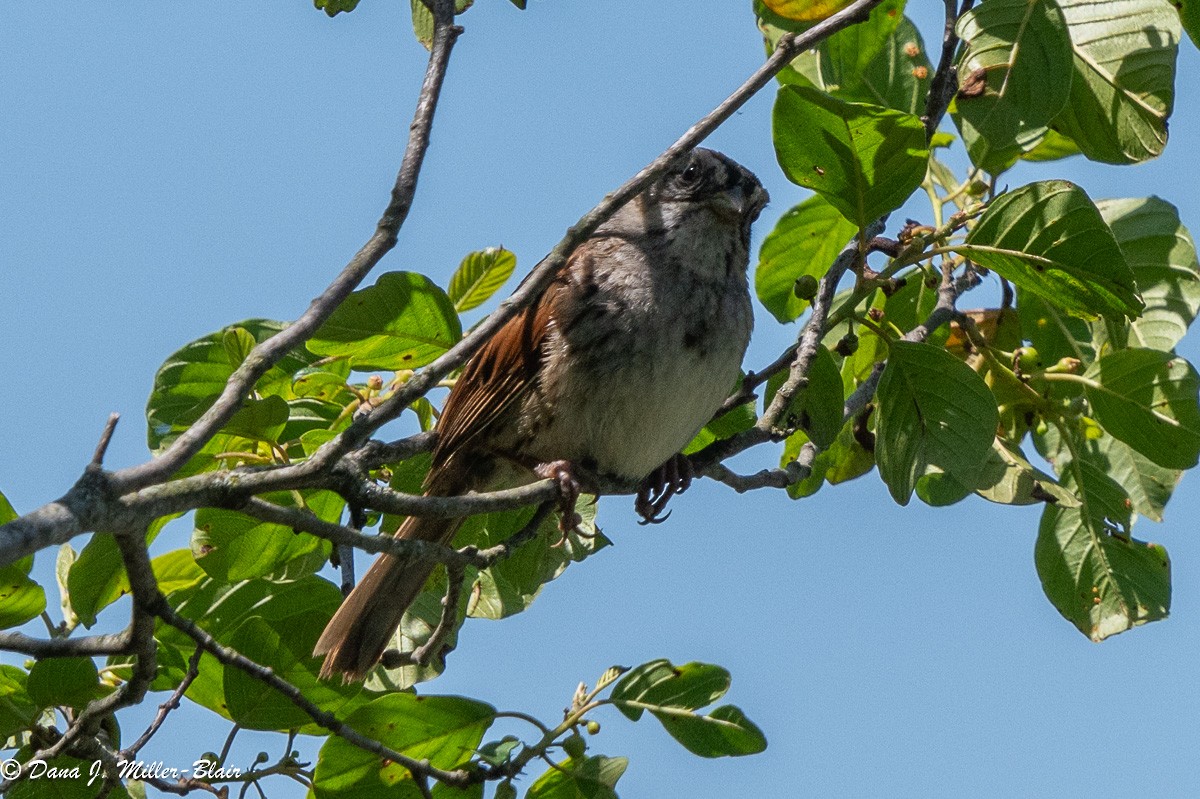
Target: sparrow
613 369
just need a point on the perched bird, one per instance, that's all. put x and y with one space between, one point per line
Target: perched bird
613 369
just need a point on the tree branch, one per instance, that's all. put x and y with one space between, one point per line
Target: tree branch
141 631
269 352
164 710
945 79
231 657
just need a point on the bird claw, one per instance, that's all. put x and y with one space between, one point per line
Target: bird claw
673 477
563 473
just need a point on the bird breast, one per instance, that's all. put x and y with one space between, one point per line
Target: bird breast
654 349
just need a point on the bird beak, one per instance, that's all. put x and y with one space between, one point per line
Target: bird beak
736 204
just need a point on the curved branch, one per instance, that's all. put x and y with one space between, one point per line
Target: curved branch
269 352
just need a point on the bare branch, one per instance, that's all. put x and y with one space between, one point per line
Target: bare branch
231 657
268 353
767 478
164 710
105 437
114 644
945 79
86 725
788 47
814 330
107 501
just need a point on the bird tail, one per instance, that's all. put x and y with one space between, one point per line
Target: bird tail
360 630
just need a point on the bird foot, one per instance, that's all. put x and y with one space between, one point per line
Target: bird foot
563 473
673 477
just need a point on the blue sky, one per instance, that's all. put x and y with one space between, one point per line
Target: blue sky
172 168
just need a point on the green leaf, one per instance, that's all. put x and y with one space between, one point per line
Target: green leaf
62 568
479 276
335 7
730 423
1016 56
844 460
260 420
844 58
64 681
176 570
17 711
445 730
1053 332
805 241
1162 255
1100 579
232 546
511 585
419 621
220 609
1148 399
97 577
1123 85
1006 478
1149 485
287 651
1049 239
722 733
192 378
402 322
934 410
898 77
21 598
422 19
1052 147
7 514
660 684
817 407
881 62
910 306
590 778
863 159
1189 15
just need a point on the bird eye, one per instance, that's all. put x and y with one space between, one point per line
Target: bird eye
691 174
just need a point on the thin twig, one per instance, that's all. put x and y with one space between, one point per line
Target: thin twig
455 577
164 710
231 657
141 630
105 438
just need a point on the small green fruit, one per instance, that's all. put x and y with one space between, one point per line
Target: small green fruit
1026 360
847 346
575 746
505 790
593 727
806 287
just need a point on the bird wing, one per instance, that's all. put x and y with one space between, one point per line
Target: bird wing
500 373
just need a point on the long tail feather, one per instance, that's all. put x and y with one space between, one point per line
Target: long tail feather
360 630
